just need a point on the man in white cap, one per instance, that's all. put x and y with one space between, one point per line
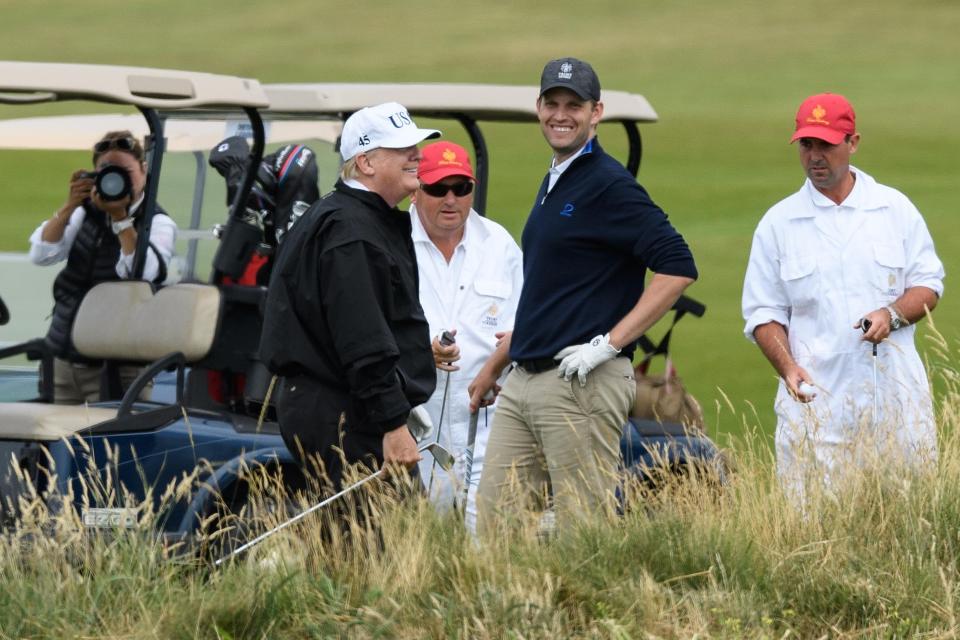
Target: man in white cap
343 325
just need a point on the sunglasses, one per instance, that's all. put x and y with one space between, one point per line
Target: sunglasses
124 144
460 189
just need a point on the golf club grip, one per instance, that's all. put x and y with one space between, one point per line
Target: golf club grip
447 339
865 325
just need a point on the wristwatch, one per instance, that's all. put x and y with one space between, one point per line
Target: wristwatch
120 225
896 320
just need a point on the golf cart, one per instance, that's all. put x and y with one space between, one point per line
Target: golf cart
191 426
113 461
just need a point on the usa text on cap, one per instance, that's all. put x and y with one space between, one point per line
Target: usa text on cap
387 126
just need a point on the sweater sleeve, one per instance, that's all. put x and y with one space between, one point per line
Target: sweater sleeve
646 227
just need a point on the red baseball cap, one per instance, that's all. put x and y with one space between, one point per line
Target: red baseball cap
827 116
440 160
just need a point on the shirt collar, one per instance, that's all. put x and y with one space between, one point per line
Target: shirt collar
563 166
356 184
864 195
474 230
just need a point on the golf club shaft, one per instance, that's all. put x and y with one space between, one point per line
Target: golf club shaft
443 408
876 391
865 326
298 517
468 458
446 339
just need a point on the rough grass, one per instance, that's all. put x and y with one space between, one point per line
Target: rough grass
875 557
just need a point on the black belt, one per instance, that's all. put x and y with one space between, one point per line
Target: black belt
539 365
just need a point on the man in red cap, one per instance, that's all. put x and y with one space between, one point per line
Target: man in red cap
471 273
836 269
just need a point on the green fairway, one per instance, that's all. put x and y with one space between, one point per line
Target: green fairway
725 79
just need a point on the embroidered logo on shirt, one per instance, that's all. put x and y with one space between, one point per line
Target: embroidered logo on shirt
567 210
816 116
490 319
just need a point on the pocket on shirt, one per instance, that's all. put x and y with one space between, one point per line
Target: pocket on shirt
889 263
799 275
491 298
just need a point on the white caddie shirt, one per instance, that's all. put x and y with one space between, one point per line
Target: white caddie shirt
817 268
476 293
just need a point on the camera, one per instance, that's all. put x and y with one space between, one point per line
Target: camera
112 182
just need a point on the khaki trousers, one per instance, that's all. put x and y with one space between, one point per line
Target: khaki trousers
77 383
550 436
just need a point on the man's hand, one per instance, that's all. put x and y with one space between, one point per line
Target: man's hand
399 448
444 355
794 376
584 358
483 390
879 326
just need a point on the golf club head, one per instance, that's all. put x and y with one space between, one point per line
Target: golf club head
442 457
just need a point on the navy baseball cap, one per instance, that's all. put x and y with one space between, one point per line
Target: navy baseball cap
573 74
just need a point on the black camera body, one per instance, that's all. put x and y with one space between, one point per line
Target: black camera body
112 182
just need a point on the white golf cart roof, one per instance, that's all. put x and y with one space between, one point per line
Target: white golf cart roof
504 103
32 82
80 132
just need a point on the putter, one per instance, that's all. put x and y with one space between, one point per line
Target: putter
865 325
440 456
446 339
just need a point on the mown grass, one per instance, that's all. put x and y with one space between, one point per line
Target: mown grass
724 77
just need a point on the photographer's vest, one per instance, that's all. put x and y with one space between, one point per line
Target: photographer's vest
92 259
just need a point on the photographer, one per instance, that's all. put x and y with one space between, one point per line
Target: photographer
95 231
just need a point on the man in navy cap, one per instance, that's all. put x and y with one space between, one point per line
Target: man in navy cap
591 236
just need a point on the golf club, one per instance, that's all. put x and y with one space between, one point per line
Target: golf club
865 325
446 339
468 452
440 456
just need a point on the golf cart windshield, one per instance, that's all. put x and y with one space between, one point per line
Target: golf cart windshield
27 287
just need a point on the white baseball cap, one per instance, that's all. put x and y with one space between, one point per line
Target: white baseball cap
386 125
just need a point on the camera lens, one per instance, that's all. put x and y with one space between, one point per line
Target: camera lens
113 183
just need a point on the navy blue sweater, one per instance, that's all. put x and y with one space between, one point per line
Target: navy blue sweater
586 248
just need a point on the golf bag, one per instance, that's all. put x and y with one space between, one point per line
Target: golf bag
663 398
284 188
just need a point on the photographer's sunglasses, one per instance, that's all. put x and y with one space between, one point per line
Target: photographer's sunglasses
439 190
124 144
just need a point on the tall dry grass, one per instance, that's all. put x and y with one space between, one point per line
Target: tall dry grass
876 557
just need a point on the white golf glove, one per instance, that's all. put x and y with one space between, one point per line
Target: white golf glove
584 358
419 423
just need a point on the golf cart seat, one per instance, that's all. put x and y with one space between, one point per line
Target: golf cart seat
127 322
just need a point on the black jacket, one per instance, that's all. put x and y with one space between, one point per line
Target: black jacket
343 309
